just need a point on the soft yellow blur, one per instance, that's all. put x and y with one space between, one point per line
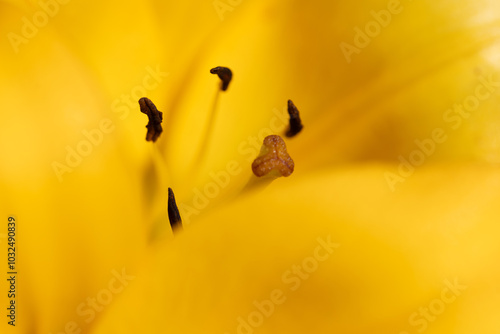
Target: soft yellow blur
397 162
391 255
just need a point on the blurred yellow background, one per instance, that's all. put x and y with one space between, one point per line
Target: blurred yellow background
397 163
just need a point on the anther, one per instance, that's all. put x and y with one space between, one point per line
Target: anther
155 119
295 122
224 74
273 158
173 212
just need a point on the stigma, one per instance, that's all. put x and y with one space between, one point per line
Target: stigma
273 159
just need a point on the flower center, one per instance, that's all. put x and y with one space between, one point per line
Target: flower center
272 162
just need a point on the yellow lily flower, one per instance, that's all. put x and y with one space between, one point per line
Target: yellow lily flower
398 100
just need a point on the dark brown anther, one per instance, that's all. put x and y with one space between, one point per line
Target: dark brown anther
224 74
295 122
173 212
155 119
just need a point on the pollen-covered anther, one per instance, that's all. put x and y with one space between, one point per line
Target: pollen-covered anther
273 158
155 119
295 123
224 74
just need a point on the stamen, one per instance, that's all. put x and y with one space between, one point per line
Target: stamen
295 122
155 119
224 74
173 211
273 158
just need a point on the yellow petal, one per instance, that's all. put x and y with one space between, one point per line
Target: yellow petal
78 71
69 176
433 243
